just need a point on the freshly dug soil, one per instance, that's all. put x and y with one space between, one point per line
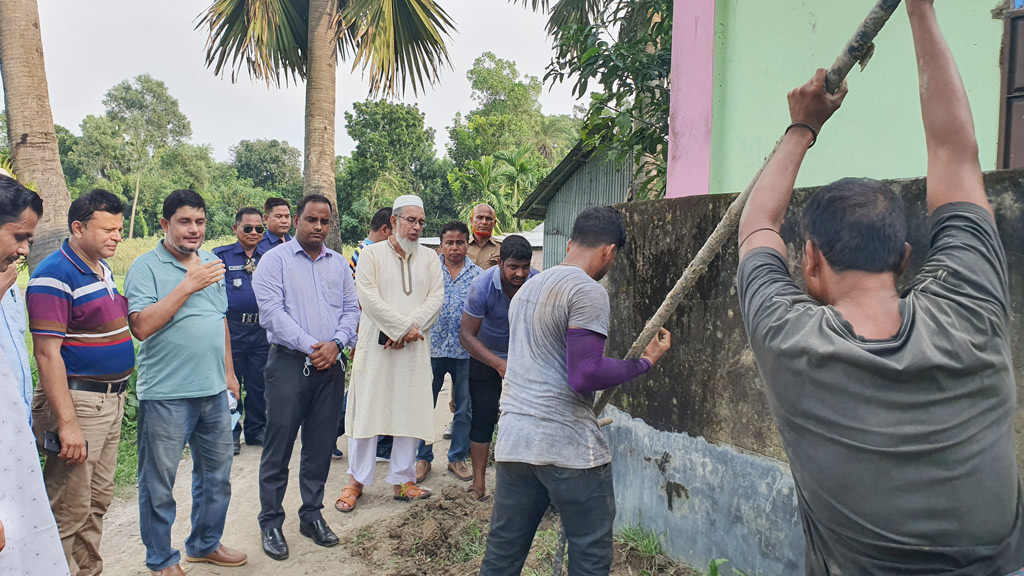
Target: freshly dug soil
447 534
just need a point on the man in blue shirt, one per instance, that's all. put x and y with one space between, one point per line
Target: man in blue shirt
176 308
447 356
308 304
484 334
278 215
249 345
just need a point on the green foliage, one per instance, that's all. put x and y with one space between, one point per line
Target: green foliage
5 151
394 155
633 539
272 165
625 49
395 41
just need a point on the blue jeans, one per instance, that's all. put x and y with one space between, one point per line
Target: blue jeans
459 369
164 428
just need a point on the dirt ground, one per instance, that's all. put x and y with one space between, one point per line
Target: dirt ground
441 536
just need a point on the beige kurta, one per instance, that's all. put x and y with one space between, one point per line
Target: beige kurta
390 392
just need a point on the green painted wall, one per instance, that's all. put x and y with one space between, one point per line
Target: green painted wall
764 48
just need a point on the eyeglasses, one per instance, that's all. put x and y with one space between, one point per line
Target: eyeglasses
413 221
248 229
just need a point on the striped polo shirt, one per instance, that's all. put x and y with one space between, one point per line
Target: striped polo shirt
68 300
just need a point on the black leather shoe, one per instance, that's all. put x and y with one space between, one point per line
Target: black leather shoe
319 532
274 544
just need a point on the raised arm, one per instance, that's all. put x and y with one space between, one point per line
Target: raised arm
147 316
810 106
954 172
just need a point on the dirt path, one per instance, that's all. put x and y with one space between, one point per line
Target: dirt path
124 554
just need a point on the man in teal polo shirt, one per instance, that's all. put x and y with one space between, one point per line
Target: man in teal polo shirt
177 303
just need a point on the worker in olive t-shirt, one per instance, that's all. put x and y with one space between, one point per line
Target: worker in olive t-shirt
896 411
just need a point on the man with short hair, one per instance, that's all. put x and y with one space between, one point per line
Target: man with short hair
484 334
85 356
309 307
484 249
896 411
29 541
401 292
447 356
176 309
278 215
249 346
550 449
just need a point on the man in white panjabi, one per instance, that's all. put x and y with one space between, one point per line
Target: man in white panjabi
401 292
29 541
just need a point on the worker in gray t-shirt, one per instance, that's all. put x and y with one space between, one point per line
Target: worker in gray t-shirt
549 448
896 410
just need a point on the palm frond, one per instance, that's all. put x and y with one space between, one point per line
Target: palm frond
565 13
266 37
397 42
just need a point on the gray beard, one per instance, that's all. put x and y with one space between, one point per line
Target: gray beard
407 246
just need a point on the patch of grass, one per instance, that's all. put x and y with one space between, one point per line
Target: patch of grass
470 545
635 540
545 544
127 472
361 536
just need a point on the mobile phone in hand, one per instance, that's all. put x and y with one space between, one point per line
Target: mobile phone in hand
382 339
51 442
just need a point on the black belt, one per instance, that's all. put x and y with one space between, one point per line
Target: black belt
285 350
244 318
93 386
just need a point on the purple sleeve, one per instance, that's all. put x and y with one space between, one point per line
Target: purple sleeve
589 370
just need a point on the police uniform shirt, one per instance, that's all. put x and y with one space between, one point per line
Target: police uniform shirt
238 277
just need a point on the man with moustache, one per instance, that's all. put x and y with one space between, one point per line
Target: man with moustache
176 308
85 356
249 345
484 250
278 215
484 334
29 541
401 292
447 356
308 304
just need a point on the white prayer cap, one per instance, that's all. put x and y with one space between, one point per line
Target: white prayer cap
407 200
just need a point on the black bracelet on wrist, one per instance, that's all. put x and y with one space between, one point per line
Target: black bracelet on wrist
814 133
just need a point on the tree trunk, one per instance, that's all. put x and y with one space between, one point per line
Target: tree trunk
321 70
33 142
135 203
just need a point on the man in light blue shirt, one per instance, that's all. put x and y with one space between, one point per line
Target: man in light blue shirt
308 304
13 326
177 303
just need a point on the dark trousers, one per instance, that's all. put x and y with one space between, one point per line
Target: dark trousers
249 350
585 500
484 395
293 400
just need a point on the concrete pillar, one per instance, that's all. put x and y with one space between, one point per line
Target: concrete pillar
693 57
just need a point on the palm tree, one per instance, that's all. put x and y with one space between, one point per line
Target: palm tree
395 42
521 174
33 141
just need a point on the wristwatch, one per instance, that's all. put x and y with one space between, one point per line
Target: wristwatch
338 343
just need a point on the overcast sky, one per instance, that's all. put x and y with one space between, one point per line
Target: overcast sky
90 45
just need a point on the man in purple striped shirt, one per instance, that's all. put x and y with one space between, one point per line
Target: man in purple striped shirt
79 324
308 304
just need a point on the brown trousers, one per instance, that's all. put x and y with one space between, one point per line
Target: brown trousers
80 493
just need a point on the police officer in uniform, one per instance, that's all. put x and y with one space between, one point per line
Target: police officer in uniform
278 215
249 345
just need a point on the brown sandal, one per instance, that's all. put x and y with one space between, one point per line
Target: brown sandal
349 495
476 495
410 491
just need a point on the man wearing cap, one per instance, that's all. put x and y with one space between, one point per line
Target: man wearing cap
401 292
484 250
249 345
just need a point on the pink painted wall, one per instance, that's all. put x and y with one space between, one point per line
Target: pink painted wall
693 57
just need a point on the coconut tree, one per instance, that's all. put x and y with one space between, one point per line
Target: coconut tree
33 141
396 43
